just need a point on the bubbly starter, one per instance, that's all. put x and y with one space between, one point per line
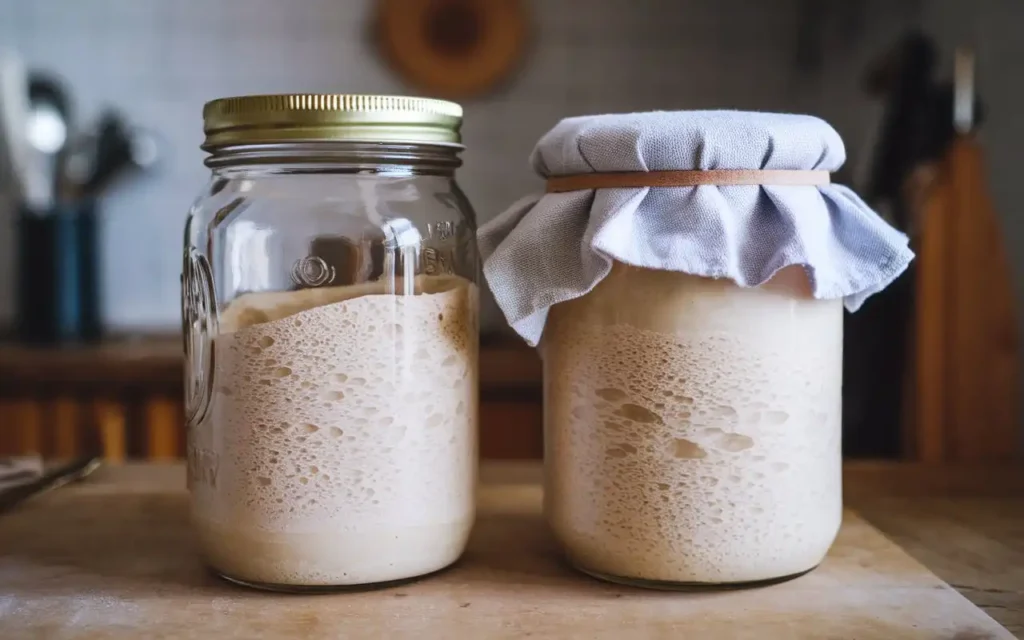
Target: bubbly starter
693 428
340 445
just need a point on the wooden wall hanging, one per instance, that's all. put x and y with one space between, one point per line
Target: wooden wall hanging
452 48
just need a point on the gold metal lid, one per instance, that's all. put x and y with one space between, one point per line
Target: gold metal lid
309 117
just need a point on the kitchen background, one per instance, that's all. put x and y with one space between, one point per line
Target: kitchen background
159 61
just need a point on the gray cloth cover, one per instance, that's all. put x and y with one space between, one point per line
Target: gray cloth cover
554 247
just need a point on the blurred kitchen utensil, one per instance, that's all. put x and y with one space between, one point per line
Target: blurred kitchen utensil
57 264
17 471
98 158
876 338
963 90
65 170
81 157
47 130
66 474
118 149
14 150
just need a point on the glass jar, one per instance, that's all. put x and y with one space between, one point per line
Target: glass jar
692 428
330 314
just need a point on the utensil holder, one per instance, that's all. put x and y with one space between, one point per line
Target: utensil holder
58 288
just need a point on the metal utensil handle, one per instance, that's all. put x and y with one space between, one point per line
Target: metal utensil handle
55 479
963 89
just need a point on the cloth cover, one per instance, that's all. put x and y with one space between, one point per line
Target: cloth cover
554 247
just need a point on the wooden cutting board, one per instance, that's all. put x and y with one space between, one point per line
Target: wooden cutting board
965 404
114 558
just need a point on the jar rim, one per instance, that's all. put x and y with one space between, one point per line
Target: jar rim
314 117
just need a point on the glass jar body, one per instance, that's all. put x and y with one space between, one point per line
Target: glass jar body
692 428
330 318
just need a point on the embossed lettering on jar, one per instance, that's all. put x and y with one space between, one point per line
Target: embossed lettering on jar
330 316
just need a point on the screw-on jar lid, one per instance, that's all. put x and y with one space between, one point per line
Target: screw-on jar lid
304 117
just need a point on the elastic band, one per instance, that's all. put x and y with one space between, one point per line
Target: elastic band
720 177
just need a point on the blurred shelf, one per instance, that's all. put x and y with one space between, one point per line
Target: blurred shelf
127 394
157 360
138 361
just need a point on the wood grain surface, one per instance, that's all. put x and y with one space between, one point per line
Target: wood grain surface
113 557
965 524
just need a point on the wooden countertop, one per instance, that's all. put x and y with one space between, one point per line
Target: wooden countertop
966 524
113 557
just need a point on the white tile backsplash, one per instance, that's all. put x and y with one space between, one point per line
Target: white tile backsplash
160 60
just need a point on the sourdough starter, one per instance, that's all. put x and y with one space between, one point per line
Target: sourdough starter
693 427
340 446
